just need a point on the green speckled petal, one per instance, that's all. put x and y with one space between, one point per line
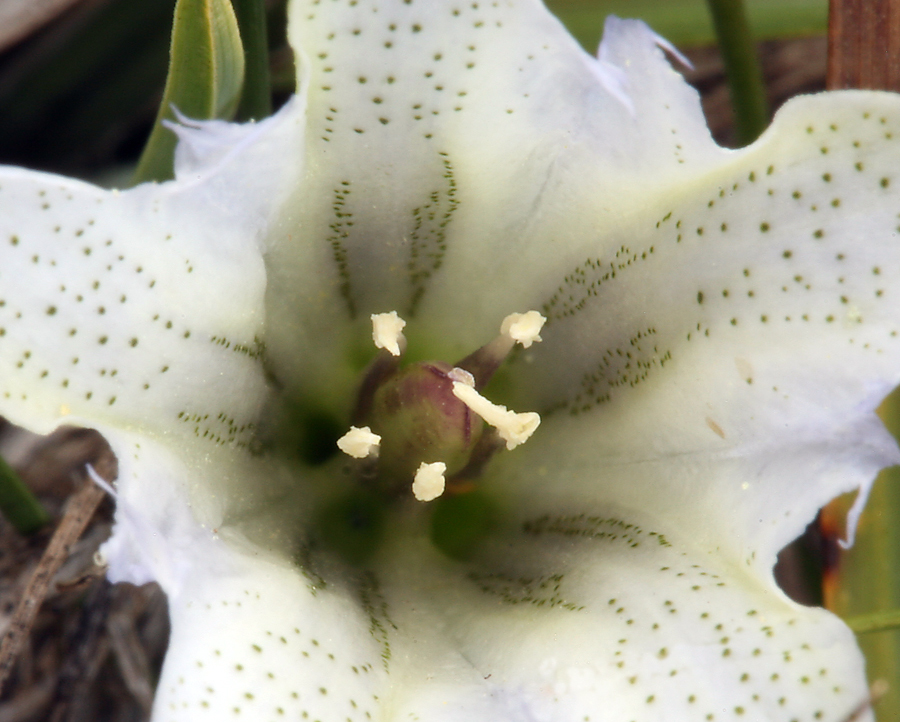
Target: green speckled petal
254 639
720 329
140 312
606 618
452 149
759 360
111 309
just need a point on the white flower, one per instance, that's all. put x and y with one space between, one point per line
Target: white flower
721 326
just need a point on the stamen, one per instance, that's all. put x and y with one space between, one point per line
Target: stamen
513 428
523 328
359 442
387 331
429 481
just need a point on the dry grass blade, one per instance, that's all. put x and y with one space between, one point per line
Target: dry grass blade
80 509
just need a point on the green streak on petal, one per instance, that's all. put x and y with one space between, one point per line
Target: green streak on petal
256 97
687 22
18 504
748 94
866 589
206 73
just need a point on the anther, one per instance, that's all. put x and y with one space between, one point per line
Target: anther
517 328
387 332
359 442
523 328
513 428
429 481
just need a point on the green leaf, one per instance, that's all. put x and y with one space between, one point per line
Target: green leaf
206 74
875 622
256 98
17 502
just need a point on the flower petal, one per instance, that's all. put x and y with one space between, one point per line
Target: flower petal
143 310
601 617
252 637
520 139
254 629
587 202
748 377
111 306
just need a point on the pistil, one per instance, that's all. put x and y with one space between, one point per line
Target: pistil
421 426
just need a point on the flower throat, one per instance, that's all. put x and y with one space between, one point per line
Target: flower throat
422 427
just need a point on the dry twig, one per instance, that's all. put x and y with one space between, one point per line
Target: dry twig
80 509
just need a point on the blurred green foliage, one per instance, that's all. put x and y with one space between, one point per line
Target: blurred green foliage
687 22
865 581
17 504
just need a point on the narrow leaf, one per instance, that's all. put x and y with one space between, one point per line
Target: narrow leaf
18 504
875 622
256 98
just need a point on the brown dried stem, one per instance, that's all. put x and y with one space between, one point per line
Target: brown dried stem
864 44
80 509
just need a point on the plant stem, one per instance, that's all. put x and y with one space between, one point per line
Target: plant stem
748 94
875 622
864 581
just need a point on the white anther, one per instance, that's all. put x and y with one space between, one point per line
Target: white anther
359 443
387 331
513 428
523 328
429 481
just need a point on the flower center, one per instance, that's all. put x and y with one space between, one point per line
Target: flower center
423 432
421 427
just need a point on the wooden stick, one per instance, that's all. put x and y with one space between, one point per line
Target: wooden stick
80 509
864 44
